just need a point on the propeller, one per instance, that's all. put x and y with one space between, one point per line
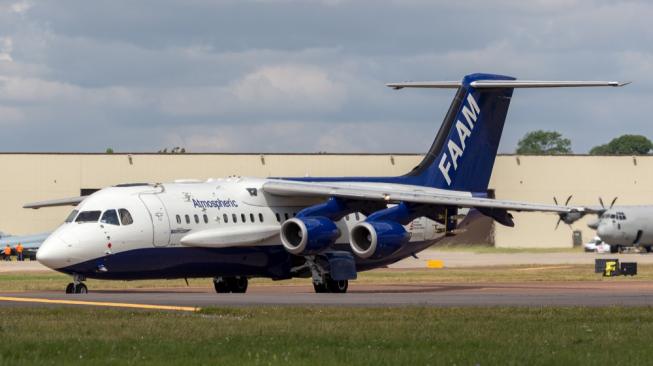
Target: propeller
555 200
611 203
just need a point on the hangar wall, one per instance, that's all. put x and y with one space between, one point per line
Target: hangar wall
35 177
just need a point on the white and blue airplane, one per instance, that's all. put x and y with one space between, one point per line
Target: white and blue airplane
327 229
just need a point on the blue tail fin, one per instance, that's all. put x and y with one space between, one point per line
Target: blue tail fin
462 155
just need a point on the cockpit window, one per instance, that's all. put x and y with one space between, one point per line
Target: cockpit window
126 217
88 216
72 216
110 217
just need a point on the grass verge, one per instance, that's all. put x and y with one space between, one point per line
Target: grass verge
325 336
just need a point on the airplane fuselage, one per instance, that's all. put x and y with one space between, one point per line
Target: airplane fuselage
222 227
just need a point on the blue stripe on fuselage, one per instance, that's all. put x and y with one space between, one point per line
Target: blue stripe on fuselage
189 262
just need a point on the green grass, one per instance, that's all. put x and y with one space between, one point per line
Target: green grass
36 281
327 336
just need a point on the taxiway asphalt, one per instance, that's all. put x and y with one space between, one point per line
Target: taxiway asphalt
599 293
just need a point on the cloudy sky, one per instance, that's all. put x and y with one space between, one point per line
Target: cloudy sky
307 76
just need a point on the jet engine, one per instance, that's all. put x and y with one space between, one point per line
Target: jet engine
377 239
308 235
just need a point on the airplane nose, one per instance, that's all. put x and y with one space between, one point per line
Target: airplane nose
52 253
603 231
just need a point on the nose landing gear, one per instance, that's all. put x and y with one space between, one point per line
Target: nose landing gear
77 286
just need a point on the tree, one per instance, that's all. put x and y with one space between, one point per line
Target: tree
543 143
624 145
109 150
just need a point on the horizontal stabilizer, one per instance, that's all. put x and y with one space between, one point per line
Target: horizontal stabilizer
486 84
70 201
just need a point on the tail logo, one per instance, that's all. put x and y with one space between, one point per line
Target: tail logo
470 112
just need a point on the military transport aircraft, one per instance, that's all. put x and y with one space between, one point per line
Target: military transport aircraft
326 229
623 226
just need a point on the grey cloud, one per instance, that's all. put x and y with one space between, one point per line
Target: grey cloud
81 76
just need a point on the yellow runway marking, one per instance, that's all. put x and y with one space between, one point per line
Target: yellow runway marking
99 303
542 268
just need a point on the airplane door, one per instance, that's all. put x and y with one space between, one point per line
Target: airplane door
159 217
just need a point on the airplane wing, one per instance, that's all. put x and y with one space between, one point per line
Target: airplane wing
405 193
70 201
32 241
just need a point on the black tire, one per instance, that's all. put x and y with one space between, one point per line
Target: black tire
647 248
81 289
337 287
222 286
614 249
238 285
320 288
70 289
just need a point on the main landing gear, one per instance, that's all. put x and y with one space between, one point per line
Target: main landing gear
327 285
77 286
236 285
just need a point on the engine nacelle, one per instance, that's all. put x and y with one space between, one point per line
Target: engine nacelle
377 239
308 235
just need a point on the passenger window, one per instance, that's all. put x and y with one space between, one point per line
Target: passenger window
72 216
346 217
110 217
178 219
285 215
251 217
260 217
197 219
187 219
234 218
242 218
88 216
206 219
357 217
612 216
225 218
293 214
126 217
276 214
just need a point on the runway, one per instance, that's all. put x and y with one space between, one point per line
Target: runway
599 293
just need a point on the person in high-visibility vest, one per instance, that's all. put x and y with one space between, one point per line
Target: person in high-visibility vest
7 253
19 252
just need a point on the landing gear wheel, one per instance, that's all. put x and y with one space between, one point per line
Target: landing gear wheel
647 248
79 288
238 285
614 249
331 286
221 285
320 288
337 287
225 285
